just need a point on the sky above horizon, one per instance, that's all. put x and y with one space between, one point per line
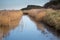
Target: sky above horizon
18 4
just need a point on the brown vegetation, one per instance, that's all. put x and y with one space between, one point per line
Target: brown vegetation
49 16
10 17
52 18
37 14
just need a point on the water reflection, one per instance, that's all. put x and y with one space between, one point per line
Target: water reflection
43 27
4 31
28 29
40 25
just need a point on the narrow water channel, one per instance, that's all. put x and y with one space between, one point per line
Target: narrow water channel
29 30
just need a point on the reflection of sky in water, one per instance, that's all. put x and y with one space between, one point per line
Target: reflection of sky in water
27 31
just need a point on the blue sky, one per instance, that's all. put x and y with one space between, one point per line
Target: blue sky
18 4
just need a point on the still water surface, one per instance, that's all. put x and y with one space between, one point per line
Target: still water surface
28 30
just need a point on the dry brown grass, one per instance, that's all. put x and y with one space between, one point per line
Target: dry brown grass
52 18
10 17
37 14
49 16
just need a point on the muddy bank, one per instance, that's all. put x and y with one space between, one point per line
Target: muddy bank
10 17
